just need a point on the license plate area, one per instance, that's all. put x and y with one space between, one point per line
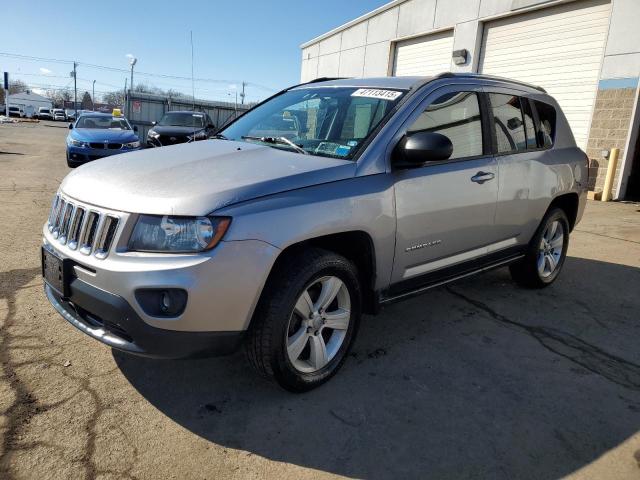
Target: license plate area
56 272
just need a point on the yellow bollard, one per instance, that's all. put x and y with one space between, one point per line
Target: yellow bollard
611 172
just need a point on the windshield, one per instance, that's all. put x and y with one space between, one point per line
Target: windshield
182 120
324 121
95 121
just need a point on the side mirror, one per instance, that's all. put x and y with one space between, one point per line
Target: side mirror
415 149
71 126
135 128
514 123
211 126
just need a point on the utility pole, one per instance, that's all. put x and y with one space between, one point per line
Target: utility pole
244 84
93 96
124 99
75 89
132 61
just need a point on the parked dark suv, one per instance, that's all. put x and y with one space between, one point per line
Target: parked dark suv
180 127
330 199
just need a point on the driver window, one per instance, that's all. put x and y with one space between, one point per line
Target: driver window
457 116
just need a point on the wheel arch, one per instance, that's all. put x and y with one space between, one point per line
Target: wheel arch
569 203
355 245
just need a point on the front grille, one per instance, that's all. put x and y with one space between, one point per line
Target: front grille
82 228
102 146
167 139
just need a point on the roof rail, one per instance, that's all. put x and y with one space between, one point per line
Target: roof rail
487 77
324 79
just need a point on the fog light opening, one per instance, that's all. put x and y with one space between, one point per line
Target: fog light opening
162 302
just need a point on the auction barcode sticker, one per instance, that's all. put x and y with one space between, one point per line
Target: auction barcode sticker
376 93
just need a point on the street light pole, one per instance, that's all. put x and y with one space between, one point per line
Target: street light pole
93 96
75 90
132 61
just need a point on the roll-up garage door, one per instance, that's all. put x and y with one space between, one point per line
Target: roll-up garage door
559 49
427 55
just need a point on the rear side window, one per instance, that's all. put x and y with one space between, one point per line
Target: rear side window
547 124
455 115
508 123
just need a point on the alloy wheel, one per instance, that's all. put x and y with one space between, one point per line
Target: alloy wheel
318 324
550 249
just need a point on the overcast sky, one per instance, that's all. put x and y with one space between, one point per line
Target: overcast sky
252 40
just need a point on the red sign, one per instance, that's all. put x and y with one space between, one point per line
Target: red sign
137 105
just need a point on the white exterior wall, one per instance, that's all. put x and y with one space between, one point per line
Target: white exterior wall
364 46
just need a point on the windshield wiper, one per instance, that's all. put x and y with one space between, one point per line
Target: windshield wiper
219 136
278 140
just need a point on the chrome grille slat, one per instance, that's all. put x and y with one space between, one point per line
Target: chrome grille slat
58 220
64 222
82 228
89 232
74 229
105 238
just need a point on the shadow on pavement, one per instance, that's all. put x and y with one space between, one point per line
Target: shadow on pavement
480 379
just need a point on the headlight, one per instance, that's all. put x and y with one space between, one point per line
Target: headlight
199 135
131 145
177 234
153 134
76 143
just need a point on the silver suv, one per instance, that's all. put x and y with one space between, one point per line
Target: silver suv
326 201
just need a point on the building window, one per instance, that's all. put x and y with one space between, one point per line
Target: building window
457 116
547 124
508 123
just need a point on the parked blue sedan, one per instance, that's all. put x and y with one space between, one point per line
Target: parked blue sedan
97 135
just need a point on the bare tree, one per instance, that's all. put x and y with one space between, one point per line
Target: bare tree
15 86
114 99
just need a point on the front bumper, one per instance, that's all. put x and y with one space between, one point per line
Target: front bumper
223 286
111 320
79 155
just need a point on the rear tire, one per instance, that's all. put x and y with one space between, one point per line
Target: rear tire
306 320
546 252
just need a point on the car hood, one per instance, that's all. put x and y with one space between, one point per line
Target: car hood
198 178
175 130
102 134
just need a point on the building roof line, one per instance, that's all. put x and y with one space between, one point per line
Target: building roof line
344 26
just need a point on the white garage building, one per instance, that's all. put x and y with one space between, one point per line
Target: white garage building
586 53
29 101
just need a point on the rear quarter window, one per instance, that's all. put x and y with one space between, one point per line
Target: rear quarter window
546 124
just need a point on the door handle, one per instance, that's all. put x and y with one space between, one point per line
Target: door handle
482 177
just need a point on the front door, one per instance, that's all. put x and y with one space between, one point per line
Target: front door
445 210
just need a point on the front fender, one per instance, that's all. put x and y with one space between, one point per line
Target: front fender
361 203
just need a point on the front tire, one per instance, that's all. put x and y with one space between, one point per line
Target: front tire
306 320
546 252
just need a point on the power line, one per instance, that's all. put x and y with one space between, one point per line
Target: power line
123 70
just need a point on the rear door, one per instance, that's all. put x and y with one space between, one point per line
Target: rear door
445 210
526 183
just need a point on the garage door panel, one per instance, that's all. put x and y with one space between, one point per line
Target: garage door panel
559 48
547 18
428 55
